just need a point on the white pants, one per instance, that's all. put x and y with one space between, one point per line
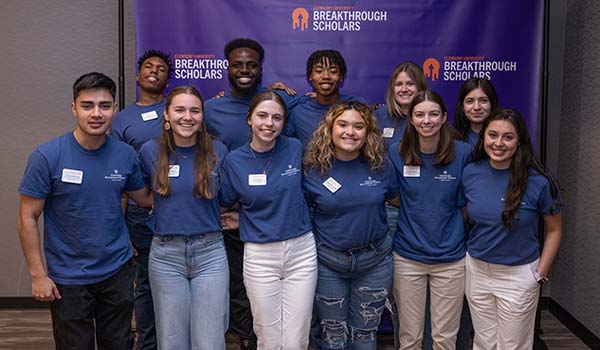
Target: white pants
446 284
280 280
503 300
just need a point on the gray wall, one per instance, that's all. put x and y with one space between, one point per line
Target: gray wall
576 275
45 46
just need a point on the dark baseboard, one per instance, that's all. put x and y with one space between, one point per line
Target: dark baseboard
21 303
586 336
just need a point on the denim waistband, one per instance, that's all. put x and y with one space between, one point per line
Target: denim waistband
209 235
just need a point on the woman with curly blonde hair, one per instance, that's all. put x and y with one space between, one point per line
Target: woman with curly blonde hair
348 179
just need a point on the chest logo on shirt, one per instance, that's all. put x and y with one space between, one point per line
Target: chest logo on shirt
290 171
370 182
115 176
445 177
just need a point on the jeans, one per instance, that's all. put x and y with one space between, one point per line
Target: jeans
352 290
280 279
100 310
141 238
190 281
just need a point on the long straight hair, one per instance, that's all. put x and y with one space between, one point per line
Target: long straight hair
521 165
415 72
409 147
462 124
204 161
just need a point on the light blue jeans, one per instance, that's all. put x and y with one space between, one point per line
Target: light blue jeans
189 277
352 290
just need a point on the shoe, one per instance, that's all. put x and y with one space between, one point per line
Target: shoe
247 344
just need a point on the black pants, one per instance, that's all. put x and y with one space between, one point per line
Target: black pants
240 316
109 303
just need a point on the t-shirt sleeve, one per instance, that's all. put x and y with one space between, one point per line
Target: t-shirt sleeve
392 176
37 178
227 194
546 204
136 180
116 129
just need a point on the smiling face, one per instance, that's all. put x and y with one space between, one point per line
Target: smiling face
427 118
94 110
477 108
185 115
244 71
266 121
153 75
325 78
405 90
349 134
501 142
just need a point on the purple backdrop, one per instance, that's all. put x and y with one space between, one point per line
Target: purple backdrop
453 39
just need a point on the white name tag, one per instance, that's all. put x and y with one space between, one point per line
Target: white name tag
388 132
257 179
332 185
72 176
412 171
149 116
174 170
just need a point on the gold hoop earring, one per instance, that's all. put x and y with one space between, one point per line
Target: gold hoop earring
167 126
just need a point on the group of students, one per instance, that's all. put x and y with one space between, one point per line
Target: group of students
340 208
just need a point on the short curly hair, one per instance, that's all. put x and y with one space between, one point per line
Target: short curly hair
160 54
244 43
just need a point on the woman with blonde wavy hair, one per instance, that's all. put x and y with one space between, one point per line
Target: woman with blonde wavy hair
347 181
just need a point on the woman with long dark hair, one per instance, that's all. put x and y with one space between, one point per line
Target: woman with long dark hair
187 266
507 191
477 98
429 244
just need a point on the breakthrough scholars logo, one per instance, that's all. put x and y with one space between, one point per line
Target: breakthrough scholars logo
300 19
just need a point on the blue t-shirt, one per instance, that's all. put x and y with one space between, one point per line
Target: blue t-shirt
182 212
489 240
472 137
85 236
430 228
225 117
270 212
392 128
354 215
135 125
305 115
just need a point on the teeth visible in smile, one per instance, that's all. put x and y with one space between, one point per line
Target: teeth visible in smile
153 79
244 80
325 86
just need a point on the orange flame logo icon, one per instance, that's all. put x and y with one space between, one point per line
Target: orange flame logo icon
300 19
431 67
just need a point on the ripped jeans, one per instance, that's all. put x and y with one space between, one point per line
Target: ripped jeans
352 289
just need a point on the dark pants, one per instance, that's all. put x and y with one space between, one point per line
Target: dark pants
141 238
240 316
104 306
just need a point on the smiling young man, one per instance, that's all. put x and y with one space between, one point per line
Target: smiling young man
135 124
326 71
77 180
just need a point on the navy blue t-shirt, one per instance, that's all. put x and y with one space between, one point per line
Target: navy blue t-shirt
182 212
354 215
392 128
135 125
305 115
430 228
268 188
489 240
85 236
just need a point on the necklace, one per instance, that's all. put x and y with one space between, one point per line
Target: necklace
264 168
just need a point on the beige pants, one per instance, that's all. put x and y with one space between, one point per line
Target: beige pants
446 284
502 300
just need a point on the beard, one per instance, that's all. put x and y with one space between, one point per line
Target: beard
245 90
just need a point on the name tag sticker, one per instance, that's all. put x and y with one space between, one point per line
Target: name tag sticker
174 170
388 132
149 116
257 179
72 176
332 185
412 171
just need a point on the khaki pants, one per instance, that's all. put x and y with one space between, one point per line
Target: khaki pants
503 300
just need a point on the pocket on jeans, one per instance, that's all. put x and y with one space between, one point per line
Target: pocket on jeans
384 245
210 244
